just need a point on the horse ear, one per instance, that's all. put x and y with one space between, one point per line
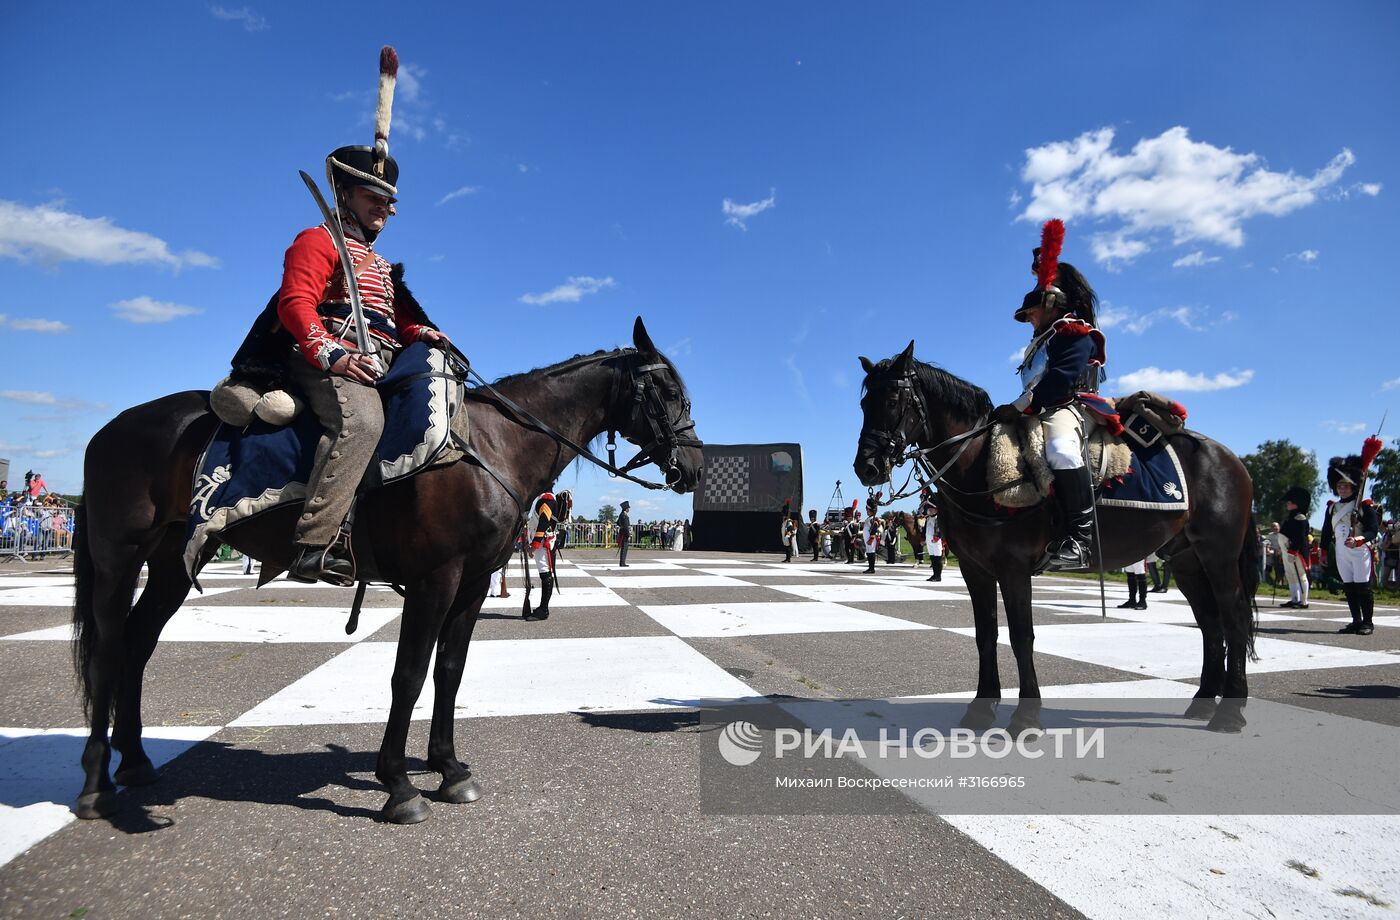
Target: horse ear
867 364
905 360
640 338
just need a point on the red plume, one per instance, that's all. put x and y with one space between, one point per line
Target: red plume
855 504
1369 449
1052 240
389 61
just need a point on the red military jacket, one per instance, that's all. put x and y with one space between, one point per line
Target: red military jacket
314 296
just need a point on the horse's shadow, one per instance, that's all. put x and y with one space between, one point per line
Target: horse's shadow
226 772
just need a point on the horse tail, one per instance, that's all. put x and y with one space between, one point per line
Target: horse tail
84 610
1249 582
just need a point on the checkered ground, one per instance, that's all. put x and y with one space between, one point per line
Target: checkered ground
253 672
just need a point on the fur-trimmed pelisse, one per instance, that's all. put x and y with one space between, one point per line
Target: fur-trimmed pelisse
1018 451
1299 496
1346 468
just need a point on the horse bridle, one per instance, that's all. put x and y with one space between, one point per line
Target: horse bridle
647 405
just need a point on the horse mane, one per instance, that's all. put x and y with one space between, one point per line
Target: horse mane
581 360
966 401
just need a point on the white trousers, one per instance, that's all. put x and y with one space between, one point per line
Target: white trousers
1064 438
542 560
1297 575
1354 563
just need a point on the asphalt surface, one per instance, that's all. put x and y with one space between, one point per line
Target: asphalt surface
268 806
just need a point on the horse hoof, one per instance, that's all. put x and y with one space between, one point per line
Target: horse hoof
92 805
1227 722
978 718
461 791
413 811
1020 725
1202 708
142 774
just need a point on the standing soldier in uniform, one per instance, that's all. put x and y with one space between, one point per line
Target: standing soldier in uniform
1351 522
542 546
870 532
1295 559
933 539
624 534
852 517
814 533
1064 358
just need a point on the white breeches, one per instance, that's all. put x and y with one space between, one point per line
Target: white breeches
1354 563
1064 438
542 560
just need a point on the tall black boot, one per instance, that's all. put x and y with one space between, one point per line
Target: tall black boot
1075 495
1354 605
546 589
1366 600
937 562
869 562
1132 601
1141 591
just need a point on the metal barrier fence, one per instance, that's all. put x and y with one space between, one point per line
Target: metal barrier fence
28 531
592 534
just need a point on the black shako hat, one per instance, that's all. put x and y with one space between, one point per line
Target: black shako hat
1299 496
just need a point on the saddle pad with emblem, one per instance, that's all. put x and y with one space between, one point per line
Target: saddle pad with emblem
247 471
1154 481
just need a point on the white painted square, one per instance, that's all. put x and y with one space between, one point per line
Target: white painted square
569 596
673 581
1174 651
40 777
268 624
1375 621
776 571
508 677
757 619
639 566
865 593
62 596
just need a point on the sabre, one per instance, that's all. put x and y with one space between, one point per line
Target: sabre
357 312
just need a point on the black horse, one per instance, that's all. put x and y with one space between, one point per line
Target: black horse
440 534
1212 545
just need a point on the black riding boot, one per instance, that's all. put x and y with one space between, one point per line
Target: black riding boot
1132 601
937 563
1141 592
1366 600
869 562
546 589
332 564
1354 605
1075 495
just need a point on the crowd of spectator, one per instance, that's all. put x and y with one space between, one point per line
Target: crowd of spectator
33 520
1272 549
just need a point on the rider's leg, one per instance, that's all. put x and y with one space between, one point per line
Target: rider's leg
1064 452
353 419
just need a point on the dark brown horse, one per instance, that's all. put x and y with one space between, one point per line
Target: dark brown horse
440 534
1211 545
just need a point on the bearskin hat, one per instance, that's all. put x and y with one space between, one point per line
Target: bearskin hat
1299 496
1343 469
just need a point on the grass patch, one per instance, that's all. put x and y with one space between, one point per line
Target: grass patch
1362 895
1303 868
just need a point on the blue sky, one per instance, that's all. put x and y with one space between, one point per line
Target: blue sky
776 188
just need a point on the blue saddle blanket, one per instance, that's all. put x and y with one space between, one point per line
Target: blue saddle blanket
1154 482
247 471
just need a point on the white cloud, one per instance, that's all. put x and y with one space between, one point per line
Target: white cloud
571 291
409 87
1391 384
252 22
1307 255
1194 259
1015 199
1154 378
737 214
1123 319
1167 185
40 398
678 349
1369 188
1344 427
459 193
47 233
34 325
145 310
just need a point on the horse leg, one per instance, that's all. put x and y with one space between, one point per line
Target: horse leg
100 618
1227 592
1016 596
458 787
423 611
167 586
982 712
1196 587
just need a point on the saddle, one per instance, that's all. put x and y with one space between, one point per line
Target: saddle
248 471
1129 457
